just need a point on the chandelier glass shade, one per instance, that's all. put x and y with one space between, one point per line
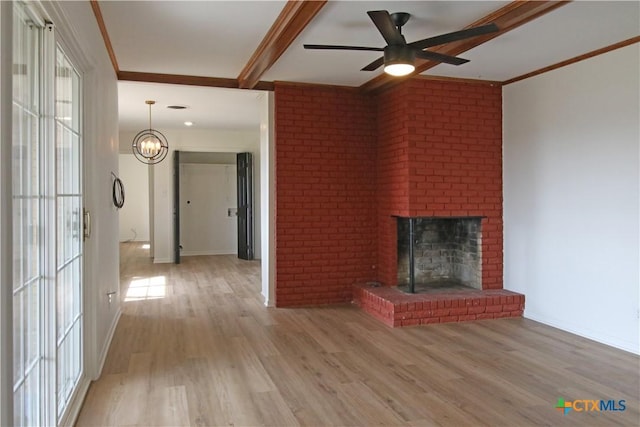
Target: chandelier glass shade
150 146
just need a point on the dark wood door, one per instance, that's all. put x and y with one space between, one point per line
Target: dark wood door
176 207
245 205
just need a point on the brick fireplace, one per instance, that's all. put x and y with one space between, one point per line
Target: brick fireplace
440 157
348 165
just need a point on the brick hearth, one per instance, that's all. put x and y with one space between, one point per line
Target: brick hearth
396 308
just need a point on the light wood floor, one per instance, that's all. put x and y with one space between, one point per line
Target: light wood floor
202 350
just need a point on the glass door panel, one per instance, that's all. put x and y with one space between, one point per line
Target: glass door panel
27 221
68 230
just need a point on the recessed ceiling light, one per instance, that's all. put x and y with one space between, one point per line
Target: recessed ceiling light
177 107
188 123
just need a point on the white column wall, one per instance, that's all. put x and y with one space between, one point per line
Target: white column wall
267 191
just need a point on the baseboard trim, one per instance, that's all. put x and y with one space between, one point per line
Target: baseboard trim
70 416
572 329
107 342
201 253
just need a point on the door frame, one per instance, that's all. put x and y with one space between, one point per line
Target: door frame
176 207
245 233
185 158
6 214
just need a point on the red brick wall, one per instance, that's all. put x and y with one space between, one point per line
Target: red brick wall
325 193
450 134
393 175
345 163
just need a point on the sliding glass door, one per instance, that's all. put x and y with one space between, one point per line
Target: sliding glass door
47 223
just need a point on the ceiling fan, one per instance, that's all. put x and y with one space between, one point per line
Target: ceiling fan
399 56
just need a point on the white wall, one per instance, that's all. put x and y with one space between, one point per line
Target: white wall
207 192
571 196
190 140
134 215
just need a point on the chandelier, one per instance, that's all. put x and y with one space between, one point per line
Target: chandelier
150 146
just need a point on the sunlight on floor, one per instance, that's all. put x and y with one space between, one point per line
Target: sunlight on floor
147 288
146 246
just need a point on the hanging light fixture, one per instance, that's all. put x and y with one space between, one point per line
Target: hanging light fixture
150 146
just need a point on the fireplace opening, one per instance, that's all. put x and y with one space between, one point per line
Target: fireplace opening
436 254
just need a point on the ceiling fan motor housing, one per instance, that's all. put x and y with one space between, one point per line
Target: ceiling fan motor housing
399 54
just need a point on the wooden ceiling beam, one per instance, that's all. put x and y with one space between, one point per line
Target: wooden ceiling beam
105 35
295 16
575 59
180 79
506 18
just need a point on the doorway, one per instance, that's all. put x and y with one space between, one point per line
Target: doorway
206 202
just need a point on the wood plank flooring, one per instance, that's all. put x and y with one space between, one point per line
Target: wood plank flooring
196 347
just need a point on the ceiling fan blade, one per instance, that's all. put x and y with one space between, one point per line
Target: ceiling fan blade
339 47
374 65
438 57
455 36
389 31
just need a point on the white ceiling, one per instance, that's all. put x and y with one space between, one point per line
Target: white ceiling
347 23
198 38
572 30
208 108
217 38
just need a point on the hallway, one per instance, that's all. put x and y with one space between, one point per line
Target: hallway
195 346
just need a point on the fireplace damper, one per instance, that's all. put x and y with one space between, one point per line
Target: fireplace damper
437 253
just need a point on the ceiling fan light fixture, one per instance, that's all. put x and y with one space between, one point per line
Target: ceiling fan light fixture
399 69
398 60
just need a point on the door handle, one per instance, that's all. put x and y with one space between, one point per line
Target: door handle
86 224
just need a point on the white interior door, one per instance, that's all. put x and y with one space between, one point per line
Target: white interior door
208 202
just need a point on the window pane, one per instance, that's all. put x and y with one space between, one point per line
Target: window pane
31 401
31 331
18 346
67 90
17 244
77 286
31 239
76 361
25 60
75 164
61 304
31 153
18 407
